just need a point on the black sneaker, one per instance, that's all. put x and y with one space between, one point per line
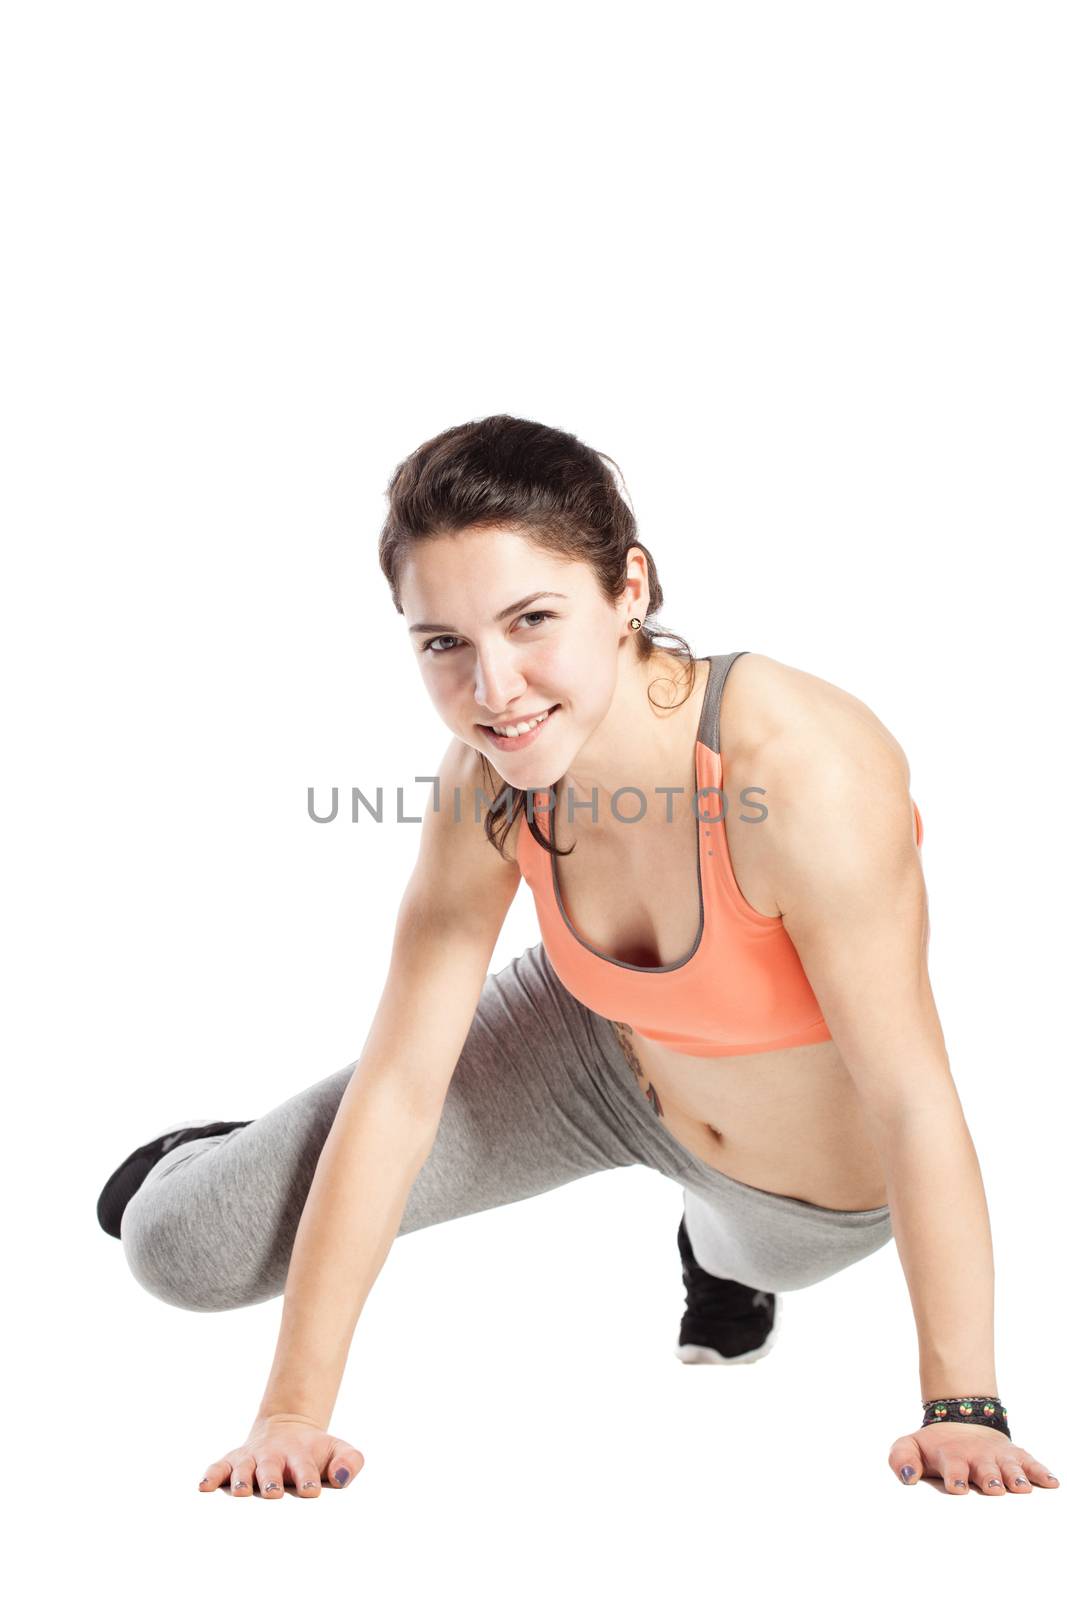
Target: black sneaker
126 1179
725 1323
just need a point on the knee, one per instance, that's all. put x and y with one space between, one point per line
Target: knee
168 1258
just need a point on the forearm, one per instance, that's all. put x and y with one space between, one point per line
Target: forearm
941 1226
371 1158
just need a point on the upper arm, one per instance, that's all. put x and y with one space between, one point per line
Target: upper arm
848 879
447 926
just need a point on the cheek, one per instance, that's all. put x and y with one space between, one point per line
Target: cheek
448 704
560 671
584 681
441 694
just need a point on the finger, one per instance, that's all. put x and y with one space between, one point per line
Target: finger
1039 1474
215 1475
955 1473
986 1475
343 1465
270 1476
906 1460
241 1478
1015 1479
305 1477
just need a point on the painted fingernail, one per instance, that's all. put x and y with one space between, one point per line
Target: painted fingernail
960 1483
308 1485
995 1483
239 1484
270 1486
1020 1480
907 1473
342 1476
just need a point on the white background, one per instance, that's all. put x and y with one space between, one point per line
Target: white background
799 269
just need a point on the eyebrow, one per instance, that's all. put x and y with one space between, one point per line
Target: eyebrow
501 616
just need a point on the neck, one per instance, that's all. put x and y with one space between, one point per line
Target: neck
646 741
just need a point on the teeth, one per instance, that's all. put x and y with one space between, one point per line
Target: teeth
513 730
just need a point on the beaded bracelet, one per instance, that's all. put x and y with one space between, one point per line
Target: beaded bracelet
983 1408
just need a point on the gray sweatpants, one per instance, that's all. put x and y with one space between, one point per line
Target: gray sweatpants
542 1095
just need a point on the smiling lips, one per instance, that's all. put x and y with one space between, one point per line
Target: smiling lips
517 735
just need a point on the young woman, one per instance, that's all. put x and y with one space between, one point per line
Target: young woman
731 989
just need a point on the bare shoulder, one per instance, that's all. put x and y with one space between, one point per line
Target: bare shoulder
777 715
460 878
825 768
473 785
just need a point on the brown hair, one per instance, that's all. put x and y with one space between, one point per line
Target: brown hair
507 471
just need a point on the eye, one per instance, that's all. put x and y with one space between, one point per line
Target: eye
451 636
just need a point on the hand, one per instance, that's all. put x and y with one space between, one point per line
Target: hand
281 1449
962 1453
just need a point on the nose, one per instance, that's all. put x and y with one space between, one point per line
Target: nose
497 685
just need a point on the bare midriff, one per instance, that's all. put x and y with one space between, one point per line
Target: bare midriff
788 1121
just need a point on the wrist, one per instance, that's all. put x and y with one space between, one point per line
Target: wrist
987 1409
955 1391
940 1378
263 1417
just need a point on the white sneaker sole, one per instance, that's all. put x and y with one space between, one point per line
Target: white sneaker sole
701 1355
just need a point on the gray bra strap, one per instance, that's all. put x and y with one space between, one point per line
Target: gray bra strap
708 732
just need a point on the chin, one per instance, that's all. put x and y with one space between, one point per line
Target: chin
535 780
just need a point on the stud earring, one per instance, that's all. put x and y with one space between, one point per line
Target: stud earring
635 623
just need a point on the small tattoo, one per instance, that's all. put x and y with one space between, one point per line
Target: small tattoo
624 1034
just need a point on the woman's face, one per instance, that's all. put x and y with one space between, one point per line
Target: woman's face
504 631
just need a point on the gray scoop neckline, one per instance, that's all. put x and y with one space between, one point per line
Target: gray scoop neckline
613 961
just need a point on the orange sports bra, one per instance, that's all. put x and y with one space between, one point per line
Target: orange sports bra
739 991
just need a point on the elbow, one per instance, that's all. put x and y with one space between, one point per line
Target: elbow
934 1112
